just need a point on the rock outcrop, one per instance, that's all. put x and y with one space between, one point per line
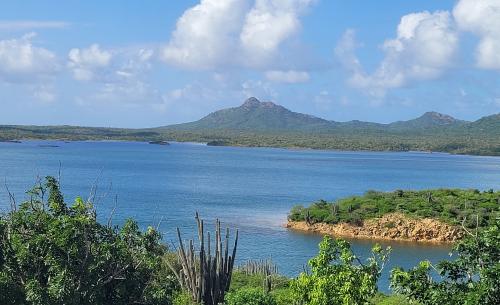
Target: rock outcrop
394 226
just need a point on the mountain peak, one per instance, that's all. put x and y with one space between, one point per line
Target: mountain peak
256 115
437 118
251 102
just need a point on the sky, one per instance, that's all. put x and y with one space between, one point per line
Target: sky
154 63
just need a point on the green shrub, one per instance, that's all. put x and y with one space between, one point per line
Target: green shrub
183 298
381 299
249 296
283 296
472 278
337 277
54 253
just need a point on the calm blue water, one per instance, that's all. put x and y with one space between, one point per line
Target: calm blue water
248 188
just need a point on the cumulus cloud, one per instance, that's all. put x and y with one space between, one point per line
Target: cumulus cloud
85 63
219 33
268 24
116 75
483 19
21 61
290 76
423 49
108 65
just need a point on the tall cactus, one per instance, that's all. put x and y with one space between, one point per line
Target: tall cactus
205 275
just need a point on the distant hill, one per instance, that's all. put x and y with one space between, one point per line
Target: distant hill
266 124
254 115
488 125
428 120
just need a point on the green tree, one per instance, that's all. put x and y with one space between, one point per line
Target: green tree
339 277
472 278
52 253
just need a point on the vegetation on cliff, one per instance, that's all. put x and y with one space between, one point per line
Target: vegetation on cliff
472 208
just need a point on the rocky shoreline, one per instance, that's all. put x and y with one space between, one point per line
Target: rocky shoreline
394 226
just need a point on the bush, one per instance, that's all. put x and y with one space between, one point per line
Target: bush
472 278
337 276
52 253
183 298
250 296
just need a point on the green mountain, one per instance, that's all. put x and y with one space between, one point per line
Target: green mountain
254 115
486 125
428 120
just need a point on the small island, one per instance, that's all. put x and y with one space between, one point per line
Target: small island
165 143
441 215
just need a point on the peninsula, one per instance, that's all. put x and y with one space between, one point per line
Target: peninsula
441 215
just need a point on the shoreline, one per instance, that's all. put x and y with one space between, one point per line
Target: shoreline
288 148
390 227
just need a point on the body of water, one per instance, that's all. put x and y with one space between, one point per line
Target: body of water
251 189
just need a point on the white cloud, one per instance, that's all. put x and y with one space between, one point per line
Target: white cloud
116 76
205 34
109 65
13 25
483 19
290 76
85 63
423 49
268 24
221 33
21 61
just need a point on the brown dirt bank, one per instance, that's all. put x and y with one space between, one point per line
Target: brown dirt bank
394 226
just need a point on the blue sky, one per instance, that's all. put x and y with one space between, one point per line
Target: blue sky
153 63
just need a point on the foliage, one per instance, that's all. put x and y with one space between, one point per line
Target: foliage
52 253
250 296
242 280
381 299
183 298
472 278
338 276
448 205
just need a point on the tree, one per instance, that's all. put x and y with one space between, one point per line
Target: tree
472 278
52 253
339 277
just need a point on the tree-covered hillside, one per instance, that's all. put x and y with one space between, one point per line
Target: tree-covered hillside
265 124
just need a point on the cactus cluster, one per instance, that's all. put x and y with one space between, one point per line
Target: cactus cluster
262 266
204 274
